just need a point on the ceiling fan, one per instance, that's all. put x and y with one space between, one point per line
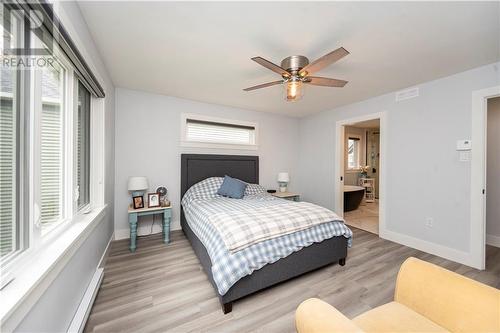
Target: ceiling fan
295 71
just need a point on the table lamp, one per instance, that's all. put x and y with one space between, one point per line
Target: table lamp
283 179
137 185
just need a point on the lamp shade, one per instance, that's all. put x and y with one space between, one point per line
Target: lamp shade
138 183
283 177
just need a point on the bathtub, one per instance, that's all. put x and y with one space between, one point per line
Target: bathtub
352 197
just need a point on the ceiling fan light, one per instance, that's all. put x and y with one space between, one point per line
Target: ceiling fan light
294 90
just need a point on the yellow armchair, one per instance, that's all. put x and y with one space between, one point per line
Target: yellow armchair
427 298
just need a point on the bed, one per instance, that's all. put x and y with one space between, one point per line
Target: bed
199 167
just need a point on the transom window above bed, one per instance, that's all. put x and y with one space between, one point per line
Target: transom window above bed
211 132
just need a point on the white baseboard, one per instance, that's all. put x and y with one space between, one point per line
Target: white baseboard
106 251
78 323
461 257
82 313
493 240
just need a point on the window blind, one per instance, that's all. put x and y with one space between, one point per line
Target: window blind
216 132
51 164
7 174
54 32
51 147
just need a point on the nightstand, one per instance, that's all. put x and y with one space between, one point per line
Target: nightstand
133 215
287 195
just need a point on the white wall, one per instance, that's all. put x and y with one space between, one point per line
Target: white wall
148 144
424 175
55 309
493 173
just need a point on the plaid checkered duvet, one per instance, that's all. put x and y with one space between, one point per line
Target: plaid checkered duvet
242 228
201 202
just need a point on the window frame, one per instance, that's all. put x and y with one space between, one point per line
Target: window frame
357 138
217 145
38 232
88 206
18 105
32 238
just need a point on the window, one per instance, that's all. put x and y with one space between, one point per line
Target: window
45 131
9 146
353 152
83 147
218 133
51 149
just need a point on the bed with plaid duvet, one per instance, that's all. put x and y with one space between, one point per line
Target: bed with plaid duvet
201 204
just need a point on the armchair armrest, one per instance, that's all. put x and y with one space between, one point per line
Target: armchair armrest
316 316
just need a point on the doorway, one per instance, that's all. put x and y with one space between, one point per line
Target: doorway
492 251
359 176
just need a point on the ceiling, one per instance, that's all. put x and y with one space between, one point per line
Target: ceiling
202 51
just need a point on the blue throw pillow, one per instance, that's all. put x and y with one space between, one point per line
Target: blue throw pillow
232 188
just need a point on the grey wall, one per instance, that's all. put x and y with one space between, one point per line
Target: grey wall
493 169
148 144
55 309
425 177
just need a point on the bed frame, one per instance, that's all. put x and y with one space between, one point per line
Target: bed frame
197 167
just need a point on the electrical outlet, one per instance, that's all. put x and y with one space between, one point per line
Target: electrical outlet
429 222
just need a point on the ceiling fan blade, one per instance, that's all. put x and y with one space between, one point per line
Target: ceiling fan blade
264 85
324 61
324 81
269 65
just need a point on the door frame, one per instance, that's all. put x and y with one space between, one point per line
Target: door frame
339 164
478 174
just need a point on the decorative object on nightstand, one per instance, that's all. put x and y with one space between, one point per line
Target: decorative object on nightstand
369 185
138 202
162 191
153 200
137 185
134 214
287 196
283 179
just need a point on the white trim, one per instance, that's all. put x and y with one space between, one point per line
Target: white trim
432 248
493 240
194 144
106 251
339 164
42 268
478 175
78 323
97 151
82 314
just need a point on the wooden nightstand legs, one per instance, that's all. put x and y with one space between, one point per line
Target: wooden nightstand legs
133 216
166 228
132 220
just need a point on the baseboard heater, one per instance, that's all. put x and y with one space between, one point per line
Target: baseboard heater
82 313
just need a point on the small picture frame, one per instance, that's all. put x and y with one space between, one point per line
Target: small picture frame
153 200
138 202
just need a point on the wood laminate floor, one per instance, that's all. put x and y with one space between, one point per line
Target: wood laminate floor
162 288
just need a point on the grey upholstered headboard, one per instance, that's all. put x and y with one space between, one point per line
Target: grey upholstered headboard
196 167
